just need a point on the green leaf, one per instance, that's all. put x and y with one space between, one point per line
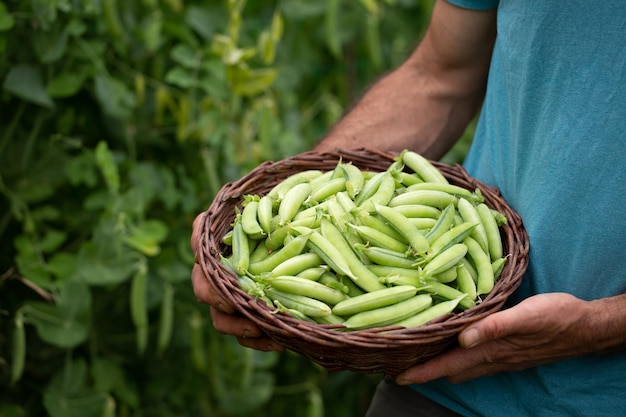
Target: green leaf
30 264
66 84
50 45
65 324
62 265
109 376
151 31
267 47
249 82
108 167
12 410
82 170
103 267
69 395
181 77
26 82
6 19
246 399
52 240
146 236
115 97
201 20
186 56
170 268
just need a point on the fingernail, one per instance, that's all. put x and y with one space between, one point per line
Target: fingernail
470 338
401 380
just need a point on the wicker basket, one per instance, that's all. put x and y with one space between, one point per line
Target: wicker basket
370 350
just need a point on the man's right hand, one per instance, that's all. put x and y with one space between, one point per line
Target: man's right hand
224 316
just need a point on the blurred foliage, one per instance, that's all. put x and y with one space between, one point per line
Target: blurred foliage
119 122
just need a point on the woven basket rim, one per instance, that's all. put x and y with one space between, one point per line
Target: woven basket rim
309 338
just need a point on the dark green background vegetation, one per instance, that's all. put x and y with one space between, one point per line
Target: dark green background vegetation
119 121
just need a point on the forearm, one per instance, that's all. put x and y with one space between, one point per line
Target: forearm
427 102
403 110
606 324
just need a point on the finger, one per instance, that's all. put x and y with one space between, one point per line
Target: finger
195 230
495 326
205 293
450 363
234 324
260 343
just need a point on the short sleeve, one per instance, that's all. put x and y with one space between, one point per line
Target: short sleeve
475 4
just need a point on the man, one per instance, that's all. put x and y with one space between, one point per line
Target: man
550 78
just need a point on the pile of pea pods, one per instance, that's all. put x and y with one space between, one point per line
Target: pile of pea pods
362 249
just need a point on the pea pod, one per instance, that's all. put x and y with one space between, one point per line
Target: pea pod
296 264
455 190
447 259
328 189
280 190
249 220
377 238
382 256
292 202
384 316
292 248
469 213
354 179
446 292
240 248
265 213
418 211
465 282
364 277
327 251
438 310
452 237
492 232
306 305
444 222
19 348
403 226
374 299
383 194
422 167
486 278
433 198
308 288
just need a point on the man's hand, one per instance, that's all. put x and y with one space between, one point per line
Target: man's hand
225 319
541 329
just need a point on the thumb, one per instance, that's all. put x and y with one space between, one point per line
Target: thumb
494 326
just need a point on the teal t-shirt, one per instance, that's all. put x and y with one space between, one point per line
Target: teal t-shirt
552 138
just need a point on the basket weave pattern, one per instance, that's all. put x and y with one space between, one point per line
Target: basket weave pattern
370 350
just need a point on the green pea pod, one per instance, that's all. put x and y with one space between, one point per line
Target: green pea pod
438 310
354 179
364 277
292 248
387 315
486 278
249 220
404 227
19 348
240 247
422 167
139 308
374 299
166 322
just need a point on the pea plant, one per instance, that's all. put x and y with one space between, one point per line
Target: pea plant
119 122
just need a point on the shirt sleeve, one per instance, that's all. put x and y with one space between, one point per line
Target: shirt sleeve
475 4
